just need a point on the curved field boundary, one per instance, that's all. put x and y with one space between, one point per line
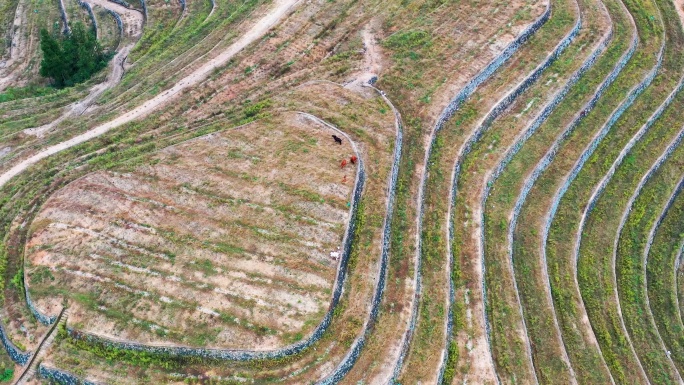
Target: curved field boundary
446 114
677 263
248 355
589 150
662 158
350 358
213 8
19 357
550 156
89 9
119 22
65 19
531 129
121 3
651 237
61 376
42 318
483 126
601 187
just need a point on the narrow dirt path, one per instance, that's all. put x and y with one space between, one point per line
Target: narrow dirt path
18 49
32 366
132 18
79 108
372 60
133 25
280 9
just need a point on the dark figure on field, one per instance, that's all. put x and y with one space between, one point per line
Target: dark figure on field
353 159
338 140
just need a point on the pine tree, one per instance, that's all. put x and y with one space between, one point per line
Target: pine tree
72 59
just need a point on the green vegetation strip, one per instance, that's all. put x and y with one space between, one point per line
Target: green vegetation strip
661 272
597 229
530 277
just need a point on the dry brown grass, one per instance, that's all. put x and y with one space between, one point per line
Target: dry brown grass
224 240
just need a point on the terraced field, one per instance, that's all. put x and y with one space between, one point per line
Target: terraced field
348 191
271 254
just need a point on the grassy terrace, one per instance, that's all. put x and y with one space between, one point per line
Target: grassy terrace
548 348
466 271
428 342
630 262
509 338
597 267
437 190
529 236
432 64
21 102
162 18
661 276
679 272
502 300
558 238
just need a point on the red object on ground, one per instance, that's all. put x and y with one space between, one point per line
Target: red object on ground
353 159
344 163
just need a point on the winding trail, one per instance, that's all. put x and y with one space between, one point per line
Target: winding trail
281 9
132 18
79 108
133 91
133 25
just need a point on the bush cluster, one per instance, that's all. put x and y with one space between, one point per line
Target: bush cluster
72 59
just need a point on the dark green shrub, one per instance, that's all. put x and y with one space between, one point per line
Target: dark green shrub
72 59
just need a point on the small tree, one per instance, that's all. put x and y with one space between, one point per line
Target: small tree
72 59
